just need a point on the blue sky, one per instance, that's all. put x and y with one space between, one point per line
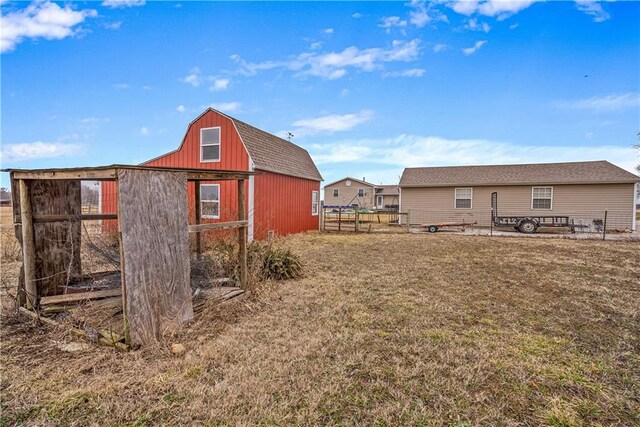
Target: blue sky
367 88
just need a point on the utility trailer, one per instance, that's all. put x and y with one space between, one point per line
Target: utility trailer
529 224
432 228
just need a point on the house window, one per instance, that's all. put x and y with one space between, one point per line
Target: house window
210 144
314 203
360 192
336 193
463 198
210 201
541 197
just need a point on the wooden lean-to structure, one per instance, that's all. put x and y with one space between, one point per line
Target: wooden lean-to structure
153 233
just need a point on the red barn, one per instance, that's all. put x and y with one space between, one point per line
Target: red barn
284 196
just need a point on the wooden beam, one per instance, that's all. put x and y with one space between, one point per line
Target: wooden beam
89 175
80 296
198 218
217 176
197 228
67 217
28 246
242 236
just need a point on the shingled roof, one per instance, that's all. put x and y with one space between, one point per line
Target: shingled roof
598 172
274 154
387 190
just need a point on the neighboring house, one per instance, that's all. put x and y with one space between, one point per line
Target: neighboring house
5 197
387 197
350 192
284 196
582 190
355 192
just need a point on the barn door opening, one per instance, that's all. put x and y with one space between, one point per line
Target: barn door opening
379 202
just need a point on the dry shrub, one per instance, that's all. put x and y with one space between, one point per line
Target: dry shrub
268 261
265 261
10 250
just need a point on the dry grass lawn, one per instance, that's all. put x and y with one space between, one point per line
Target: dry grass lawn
424 330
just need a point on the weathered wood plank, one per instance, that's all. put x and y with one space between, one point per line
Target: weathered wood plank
242 236
28 245
153 222
198 217
196 228
67 217
57 244
80 296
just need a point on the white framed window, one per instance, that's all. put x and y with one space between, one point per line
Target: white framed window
542 198
360 192
464 198
336 192
210 201
210 144
314 203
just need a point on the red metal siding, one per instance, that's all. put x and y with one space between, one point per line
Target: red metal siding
283 204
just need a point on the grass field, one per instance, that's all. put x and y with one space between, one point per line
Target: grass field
430 330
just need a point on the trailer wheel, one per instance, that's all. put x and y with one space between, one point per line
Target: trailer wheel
432 229
527 226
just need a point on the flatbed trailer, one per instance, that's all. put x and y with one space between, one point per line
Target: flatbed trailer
528 224
432 228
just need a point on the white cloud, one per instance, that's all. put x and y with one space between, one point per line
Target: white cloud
412 72
500 8
113 25
38 150
193 78
474 25
121 86
604 103
144 131
357 15
90 120
219 84
414 151
389 22
473 49
334 65
423 14
513 26
226 107
180 108
315 45
40 20
331 123
328 31
440 47
593 8
115 4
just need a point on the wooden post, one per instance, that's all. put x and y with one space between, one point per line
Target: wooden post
357 220
198 216
242 236
339 217
604 226
28 247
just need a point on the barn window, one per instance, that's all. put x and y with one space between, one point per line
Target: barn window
210 144
336 193
541 197
314 203
210 201
360 192
463 198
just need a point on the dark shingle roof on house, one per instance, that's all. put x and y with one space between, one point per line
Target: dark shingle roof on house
274 154
597 172
387 190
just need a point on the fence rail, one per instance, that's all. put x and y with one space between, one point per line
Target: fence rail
347 219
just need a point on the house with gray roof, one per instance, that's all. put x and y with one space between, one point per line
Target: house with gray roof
581 190
350 191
